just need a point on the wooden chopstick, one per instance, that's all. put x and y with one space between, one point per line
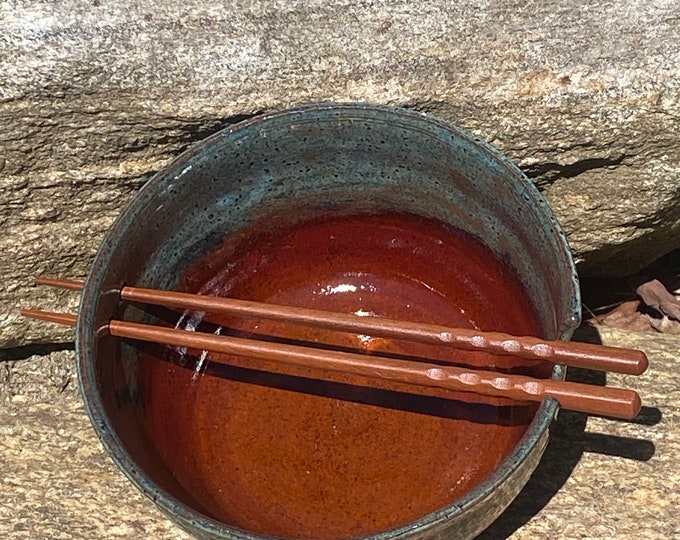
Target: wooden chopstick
604 401
569 353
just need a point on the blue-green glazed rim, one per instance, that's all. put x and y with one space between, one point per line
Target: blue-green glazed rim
464 518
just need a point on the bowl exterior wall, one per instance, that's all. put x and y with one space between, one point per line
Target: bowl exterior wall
288 166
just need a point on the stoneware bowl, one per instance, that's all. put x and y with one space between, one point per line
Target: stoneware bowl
305 160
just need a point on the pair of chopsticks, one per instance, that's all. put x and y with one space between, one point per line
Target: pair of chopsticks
604 401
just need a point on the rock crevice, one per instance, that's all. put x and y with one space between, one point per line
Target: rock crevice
545 174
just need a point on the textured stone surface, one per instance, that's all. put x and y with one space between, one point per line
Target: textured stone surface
606 479
56 481
97 95
599 479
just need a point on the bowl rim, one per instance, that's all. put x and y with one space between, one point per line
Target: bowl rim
193 520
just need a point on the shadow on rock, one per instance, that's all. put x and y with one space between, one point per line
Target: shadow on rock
568 442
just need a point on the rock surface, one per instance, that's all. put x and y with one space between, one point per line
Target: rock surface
97 95
598 479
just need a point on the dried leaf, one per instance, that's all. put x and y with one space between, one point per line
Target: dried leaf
626 316
665 325
656 296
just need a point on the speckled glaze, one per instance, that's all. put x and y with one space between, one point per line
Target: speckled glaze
303 162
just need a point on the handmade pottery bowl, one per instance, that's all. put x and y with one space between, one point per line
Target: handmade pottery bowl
327 159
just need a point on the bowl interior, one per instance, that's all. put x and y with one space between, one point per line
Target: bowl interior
289 167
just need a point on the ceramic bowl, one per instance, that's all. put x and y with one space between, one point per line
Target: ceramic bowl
305 160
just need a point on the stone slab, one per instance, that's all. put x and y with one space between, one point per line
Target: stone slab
98 95
599 479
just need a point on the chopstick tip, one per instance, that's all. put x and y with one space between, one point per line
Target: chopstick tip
67 319
70 284
642 363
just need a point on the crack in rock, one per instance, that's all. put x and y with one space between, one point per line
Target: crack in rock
547 173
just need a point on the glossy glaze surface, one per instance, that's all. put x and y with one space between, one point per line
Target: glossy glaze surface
286 455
